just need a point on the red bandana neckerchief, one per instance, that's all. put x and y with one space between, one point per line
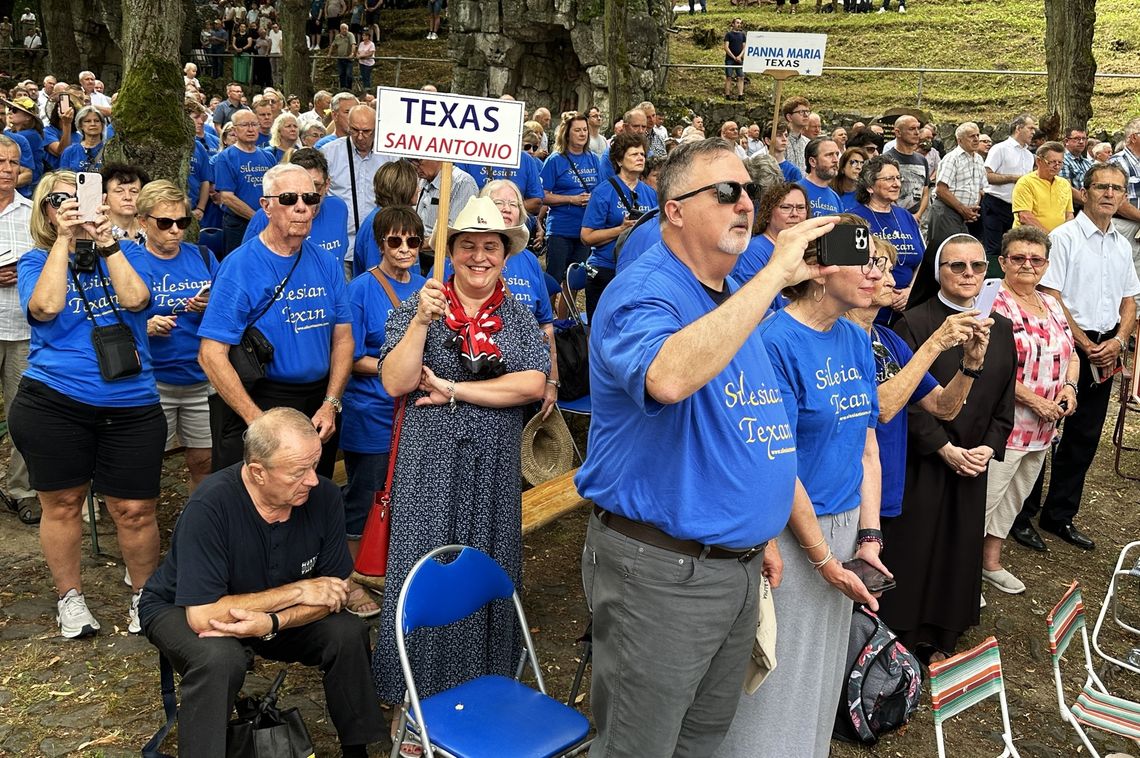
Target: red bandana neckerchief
474 335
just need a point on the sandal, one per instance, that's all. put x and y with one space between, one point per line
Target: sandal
27 509
358 602
410 749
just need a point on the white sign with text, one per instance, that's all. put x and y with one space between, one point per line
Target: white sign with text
765 52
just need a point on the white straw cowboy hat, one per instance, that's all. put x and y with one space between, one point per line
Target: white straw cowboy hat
547 449
482 215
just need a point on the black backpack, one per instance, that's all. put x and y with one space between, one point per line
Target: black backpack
883 684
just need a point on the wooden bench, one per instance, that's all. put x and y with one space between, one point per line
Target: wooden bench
540 505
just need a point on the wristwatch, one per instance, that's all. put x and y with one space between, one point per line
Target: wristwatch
970 372
335 402
272 632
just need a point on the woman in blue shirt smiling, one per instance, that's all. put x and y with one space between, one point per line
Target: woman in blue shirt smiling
826 373
86 418
569 175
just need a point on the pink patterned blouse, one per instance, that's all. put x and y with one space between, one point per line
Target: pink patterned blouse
1044 347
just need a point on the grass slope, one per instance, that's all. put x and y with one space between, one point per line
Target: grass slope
970 34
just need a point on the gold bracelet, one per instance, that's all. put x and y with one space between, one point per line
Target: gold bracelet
813 547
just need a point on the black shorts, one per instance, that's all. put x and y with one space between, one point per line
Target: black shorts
67 443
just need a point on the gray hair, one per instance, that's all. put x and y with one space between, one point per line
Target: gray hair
497 184
964 129
870 174
264 436
1133 127
764 170
675 173
1020 120
273 175
8 142
340 97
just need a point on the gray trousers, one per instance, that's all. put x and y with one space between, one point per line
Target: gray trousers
672 635
13 364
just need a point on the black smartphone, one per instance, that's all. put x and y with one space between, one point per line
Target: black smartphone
845 245
876 581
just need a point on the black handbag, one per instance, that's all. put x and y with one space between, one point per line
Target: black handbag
572 347
254 352
115 349
262 730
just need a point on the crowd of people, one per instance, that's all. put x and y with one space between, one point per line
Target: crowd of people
861 411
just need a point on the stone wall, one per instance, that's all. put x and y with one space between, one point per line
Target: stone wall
552 52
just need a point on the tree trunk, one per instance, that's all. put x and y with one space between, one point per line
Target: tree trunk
151 129
617 54
59 37
297 71
1069 26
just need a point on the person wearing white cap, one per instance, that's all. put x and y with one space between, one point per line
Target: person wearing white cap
470 358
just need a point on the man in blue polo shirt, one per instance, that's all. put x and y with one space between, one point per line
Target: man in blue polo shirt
258 563
237 178
692 464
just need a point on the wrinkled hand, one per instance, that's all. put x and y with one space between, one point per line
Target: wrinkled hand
900 299
549 398
772 566
436 389
1068 394
1046 410
160 326
972 214
433 303
788 254
848 583
324 591
198 303
955 330
67 221
1105 354
974 352
981 455
959 461
324 420
8 276
246 624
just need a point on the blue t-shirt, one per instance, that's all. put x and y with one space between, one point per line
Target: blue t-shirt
366 424
643 236
558 177
828 383
525 177
754 258
325 140
240 172
201 170
900 228
62 355
299 323
172 282
330 227
76 157
51 136
36 145
526 280
263 142
892 434
209 137
847 201
823 200
791 172
26 161
365 251
718 467
607 210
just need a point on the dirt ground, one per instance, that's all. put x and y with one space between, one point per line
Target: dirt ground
101 696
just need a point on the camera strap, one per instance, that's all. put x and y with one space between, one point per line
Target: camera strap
630 202
87 303
279 289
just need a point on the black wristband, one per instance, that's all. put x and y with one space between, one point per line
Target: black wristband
107 252
869 533
970 372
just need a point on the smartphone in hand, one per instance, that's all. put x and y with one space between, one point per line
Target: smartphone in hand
89 192
845 245
875 581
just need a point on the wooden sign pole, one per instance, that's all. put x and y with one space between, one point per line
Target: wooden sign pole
780 77
439 244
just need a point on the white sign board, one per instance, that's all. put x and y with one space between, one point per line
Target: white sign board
776 51
438 126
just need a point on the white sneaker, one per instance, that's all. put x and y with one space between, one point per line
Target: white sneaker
902 9
982 603
127 577
1004 581
133 626
73 617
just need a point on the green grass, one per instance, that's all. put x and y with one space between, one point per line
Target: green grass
969 34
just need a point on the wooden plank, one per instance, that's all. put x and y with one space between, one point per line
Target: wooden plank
550 501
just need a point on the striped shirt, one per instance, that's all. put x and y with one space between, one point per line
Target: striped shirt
14 236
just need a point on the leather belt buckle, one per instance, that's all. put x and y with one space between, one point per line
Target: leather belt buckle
750 554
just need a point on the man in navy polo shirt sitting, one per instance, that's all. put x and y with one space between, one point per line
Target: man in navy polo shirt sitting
258 562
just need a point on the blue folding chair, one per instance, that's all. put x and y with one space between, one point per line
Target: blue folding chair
491 716
573 283
214 239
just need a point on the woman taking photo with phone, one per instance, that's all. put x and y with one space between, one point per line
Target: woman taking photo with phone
87 414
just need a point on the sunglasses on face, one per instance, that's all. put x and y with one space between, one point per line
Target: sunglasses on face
1035 261
165 223
291 198
395 241
959 267
727 193
56 199
529 147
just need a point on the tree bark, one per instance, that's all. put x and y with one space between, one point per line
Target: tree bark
297 71
59 37
617 53
1069 26
151 128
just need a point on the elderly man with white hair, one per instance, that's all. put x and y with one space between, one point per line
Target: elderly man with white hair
98 99
957 202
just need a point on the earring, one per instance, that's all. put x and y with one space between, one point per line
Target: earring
822 293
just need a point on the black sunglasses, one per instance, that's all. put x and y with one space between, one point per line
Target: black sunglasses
727 193
959 267
56 199
394 241
529 147
291 198
165 223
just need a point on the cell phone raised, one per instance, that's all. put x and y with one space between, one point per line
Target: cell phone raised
89 192
875 581
845 245
984 303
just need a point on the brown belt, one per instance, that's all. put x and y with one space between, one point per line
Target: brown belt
651 535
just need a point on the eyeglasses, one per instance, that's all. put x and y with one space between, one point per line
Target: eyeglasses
727 193
895 178
394 241
800 112
854 162
291 198
789 208
244 125
1052 164
1076 139
360 132
528 147
1018 260
880 262
959 267
500 204
1106 187
166 223
56 199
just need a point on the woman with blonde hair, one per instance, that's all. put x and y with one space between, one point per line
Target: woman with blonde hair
284 136
569 175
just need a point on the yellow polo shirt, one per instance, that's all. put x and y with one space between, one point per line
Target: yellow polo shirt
1048 201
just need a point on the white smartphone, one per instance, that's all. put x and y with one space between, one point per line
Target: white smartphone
205 288
984 304
89 192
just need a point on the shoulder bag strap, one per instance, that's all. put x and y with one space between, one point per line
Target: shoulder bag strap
397 425
87 303
621 195
352 183
383 280
279 289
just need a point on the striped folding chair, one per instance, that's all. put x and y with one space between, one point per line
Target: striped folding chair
1094 706
965 680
